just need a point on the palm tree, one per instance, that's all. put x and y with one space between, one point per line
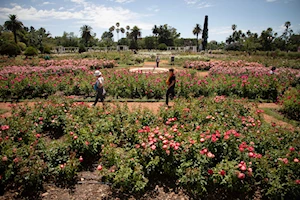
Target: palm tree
117 29
127 28
14 25
135 33
233 27
155 32
288 31
127 32
111 29
122 31
197 30
86 33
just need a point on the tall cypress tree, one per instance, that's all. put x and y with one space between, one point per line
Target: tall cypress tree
205 33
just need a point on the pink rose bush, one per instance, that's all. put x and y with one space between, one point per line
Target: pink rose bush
233 149
253 83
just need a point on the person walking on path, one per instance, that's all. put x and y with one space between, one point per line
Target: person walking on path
157 61
171 86
99 87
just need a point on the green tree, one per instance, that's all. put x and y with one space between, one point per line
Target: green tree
14 25
150 42
118 29
155 31
107 38
266 39
127 30
68 40
233 27
205 33
112 29
86 33
167 35
251 42
134 35
122 31
287 31
197 30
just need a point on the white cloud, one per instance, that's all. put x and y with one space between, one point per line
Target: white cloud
47 3
97 16
204 5
153 9
221 30
198 4
191 1
124 1
78 1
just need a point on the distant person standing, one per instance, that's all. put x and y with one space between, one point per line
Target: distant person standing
99 87
157 61
272 71
172 59
171 81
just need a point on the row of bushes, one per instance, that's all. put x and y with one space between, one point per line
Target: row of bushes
291 103
13 49
206 146
123 84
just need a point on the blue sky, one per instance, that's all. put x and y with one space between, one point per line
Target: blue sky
58 16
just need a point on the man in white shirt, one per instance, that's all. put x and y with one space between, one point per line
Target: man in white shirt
99 87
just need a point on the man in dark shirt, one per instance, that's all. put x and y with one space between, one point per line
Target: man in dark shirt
171 86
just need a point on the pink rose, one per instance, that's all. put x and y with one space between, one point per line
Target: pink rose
241 175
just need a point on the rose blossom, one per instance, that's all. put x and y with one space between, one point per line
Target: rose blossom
222 172
241 175
99 168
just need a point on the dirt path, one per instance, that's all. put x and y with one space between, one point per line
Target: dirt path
152 106
268 105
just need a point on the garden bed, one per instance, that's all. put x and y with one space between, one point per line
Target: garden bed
200 145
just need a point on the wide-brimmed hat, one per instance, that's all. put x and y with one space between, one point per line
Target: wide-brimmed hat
97 73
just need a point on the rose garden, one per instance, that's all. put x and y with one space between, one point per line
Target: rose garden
212 140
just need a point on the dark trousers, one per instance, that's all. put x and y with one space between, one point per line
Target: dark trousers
99 95
171 92
157 63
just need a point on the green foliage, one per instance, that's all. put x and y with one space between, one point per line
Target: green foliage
205 33
291 103
31 51
81 48
166 34
10 49
162 46
203 145
22 46
150 42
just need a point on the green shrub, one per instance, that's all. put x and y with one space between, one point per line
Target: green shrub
291 103
82 48
47 49
22 46
31 51
162 46
10 49
206 146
